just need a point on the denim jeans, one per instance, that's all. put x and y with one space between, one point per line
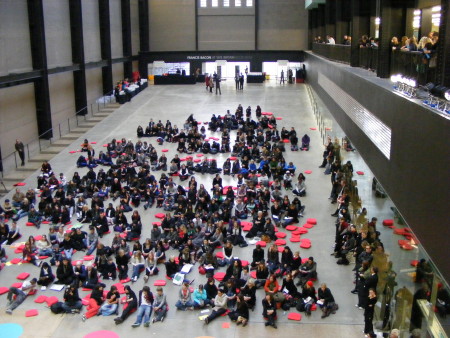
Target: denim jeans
108 309
91 248
20 297
183 307
136 270
144 311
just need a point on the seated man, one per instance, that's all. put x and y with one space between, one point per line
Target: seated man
307 271
305 142
28 287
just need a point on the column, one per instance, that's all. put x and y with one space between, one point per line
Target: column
105 45
340 28
126 38
39 61
330 28
443 56
144 36
79 76
321 21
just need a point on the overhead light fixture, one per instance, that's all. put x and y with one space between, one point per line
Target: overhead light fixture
436 9
377 21
417 12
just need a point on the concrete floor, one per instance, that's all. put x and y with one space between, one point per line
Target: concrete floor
290 102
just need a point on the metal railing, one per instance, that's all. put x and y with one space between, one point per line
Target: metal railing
35 146
317 114
339 53
368 58
414 65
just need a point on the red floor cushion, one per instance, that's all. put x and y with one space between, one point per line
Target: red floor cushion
244 223
401 232
88 258
280 235
407 246
199 155
286 141
3 290
360 172
305 245
308 226
16 285
253 274
311 221
278 118
126 280
294 316
300 231
295 239
51 300
31 313
244 263
165 150
41 299
308 171
23 275
262 243
313 307
280 241
291 227
388 222
38 237
197 160
18 250
160 215
75 262
120 287
305 240
414 262
219 276
159 283
233 158
29 224
45 222
219 255
266 113
280 248
247 228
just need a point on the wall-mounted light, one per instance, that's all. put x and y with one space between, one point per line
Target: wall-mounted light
377 21
417 12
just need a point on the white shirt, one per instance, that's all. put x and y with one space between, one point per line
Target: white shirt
331 41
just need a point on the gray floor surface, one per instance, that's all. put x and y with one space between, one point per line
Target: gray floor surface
290 102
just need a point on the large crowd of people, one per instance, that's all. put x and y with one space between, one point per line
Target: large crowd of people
195 222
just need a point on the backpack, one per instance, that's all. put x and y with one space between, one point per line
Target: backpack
57 308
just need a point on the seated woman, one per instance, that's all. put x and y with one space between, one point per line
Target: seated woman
81 162
269 311
308 297
220 306
200 297
241 314
145 307
44 246
184 298
138 263
130 305
326 301
140 131
95 302
72 302
29 255
152 269
46 276
111 302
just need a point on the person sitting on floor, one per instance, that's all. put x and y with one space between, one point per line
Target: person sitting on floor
27 288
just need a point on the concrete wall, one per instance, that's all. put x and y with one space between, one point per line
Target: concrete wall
115 12
416 175
17 116
283 25
94 84
57 33
15 34
134 26
172 25
91 31
117 70
226 32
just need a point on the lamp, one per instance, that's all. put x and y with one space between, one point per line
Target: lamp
441 92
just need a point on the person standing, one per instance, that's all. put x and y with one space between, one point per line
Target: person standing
241 82
236 80
21 150
369 311
282 77
217 80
